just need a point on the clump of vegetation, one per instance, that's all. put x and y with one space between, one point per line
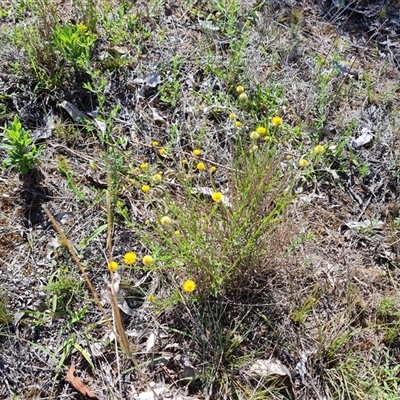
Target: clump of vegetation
224 183
23 154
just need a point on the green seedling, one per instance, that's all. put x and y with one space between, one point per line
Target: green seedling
75 42
23 155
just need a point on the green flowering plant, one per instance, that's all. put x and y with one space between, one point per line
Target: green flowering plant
22 153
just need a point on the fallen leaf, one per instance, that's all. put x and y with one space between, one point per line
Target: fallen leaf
271 367
78 384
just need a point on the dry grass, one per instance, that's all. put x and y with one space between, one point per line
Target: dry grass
289 272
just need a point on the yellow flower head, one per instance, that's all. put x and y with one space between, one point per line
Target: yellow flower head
319 149
165 220
130 258
155 143
200 166
189 286
217 197
162 151
196 152
288 157
267 138
232 116
261 130
243 96
254 135
276 121
151 298
177 233
213 168
157 178
112 266
146 188
147 260
238 124
303 163
144 166
81 27
240 89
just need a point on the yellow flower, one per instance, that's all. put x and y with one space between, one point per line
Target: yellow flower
240 89
261 130
277 120
147 260
155 143
189 286
146 188
130 258
177 233
196 152
243 96
238 124
151 298
165 220
217 196
144 166
232 116
184 162
81 27
288 157
267 138
200 166
213 168
157 178
319 149
112 266
162 151
303 163
254 135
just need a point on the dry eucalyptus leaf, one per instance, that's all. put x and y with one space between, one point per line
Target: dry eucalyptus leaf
75 114
151 341
158 119
363 139
266 368
152 395
122 304
44 133
78 384
365 224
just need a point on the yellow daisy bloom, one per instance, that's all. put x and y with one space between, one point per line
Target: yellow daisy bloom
319 149
147 260
157 178
261 130
254 135
130 258
217 197
276 121
200 166
165 220
146 188
112 266
303 163
240 89
189 286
